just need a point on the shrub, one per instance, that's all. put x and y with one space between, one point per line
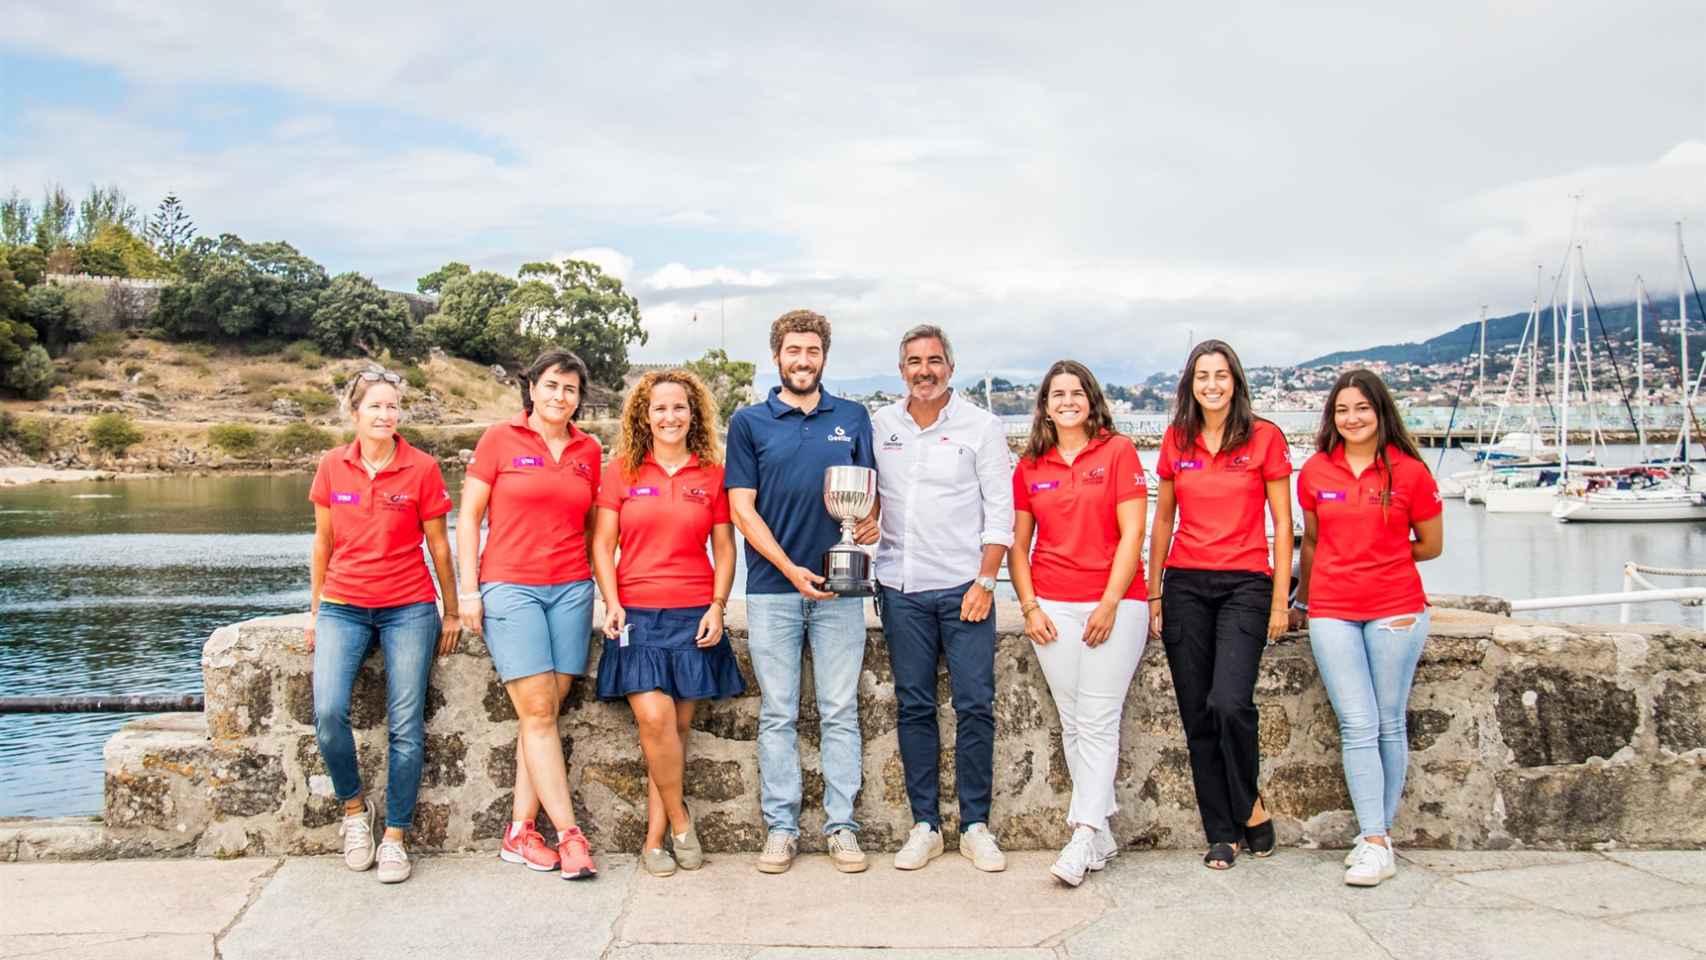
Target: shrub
106 346
261 381
236 439
305 353
113 433
132 369
300 438
261 348
458 392
86 370
153 333
34 438
203 350
313 402
415 377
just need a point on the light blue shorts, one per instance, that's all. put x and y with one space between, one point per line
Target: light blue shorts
538 629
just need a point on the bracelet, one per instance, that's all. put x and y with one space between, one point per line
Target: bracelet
722 603
1155 596
1026 608
1300 605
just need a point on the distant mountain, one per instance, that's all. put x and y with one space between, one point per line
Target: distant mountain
1504 332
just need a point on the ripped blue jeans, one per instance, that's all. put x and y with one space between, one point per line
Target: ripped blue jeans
1367 667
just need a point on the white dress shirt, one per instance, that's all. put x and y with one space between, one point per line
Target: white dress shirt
947 491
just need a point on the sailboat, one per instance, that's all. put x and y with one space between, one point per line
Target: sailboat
1647 492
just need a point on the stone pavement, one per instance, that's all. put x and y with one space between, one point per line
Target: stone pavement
1444 904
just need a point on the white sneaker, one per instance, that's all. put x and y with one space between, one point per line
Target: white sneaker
1104 847
1075 858
978 845
1351 856
844 852
393 862
1373 863
357 831
922 846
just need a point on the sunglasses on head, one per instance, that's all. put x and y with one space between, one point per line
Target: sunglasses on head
374 376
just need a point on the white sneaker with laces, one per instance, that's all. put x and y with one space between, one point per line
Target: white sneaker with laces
1075 858
922 845
1351 854
844 852
393 862
1373 863
357 831
779 851
1104 847
978 845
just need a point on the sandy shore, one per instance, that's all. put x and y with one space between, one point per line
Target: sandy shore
19 476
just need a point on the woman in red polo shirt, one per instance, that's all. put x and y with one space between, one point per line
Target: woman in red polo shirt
661 500
533 478
1079 490
1214 600
374 500
1362 496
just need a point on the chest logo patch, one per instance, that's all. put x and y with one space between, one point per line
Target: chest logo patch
840 436
893 442
527 462
349 498
1190 464
697 495
1044 485
1096 475
642 491
583 470
1331 496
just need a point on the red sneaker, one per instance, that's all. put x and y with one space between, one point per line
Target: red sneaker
528 847
576 855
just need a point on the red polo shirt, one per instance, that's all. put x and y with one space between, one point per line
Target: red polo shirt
1362 568
536 518
665 523
1221 497
1077 527
377 525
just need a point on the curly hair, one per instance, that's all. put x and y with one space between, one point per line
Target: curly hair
798 321
635 439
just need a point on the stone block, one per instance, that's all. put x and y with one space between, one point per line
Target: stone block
1658 804
1679 710
1553 715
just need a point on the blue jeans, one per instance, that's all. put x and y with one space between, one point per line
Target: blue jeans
778 626
1367 666
408 637
921 628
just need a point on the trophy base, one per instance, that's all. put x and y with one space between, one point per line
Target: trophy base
847 572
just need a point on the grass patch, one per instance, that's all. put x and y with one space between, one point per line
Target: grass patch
113 433
304 353
313 402
261 348
106 346
132 369
415 377
86 370
34 438
236 439
300 438
259 383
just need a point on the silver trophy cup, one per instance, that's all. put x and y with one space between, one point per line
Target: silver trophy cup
849 493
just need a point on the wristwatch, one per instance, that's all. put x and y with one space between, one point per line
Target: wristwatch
987 583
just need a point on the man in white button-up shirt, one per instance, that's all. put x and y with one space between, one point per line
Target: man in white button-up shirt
944 476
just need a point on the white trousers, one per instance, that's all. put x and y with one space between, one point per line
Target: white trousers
1089 687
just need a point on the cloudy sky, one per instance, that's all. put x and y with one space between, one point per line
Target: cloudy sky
1095 181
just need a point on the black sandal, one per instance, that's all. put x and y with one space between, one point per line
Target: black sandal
1260 839
1226 853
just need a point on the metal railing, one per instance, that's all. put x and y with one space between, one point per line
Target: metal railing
1636 589
108 703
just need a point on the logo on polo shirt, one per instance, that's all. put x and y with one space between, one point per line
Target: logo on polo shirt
642 491
1044 485
1335 496
1096 475
893 442
395 501
1190 464
528 462
583 469
346 498
697 495
840 436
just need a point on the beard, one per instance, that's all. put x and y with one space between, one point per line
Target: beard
787 378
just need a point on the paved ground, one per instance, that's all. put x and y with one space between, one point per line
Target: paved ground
1648 905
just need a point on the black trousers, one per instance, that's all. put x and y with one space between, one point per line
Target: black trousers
1214 627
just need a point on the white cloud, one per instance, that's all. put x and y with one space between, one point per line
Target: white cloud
613 262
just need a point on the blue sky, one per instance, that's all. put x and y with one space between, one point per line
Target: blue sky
1096 183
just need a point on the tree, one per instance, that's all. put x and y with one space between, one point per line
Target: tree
53 225
355 317
434 282
28 263
32 376
25 367
730 381
16 219
470 322
49 311
577 305
114 251
232 289
170 230
103 207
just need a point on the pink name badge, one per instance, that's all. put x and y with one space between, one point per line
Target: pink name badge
1190 464
1045 485
1335 496
346 498
642 491
528 462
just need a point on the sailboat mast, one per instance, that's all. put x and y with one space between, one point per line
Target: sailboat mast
1682 334
1534 365
1564 384
1481 379
1640 366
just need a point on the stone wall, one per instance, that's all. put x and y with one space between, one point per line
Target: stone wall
1523 734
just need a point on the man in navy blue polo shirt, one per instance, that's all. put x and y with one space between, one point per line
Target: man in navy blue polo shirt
777 454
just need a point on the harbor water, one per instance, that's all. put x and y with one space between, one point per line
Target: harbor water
113 587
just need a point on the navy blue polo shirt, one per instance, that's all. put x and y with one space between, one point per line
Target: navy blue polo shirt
782 453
